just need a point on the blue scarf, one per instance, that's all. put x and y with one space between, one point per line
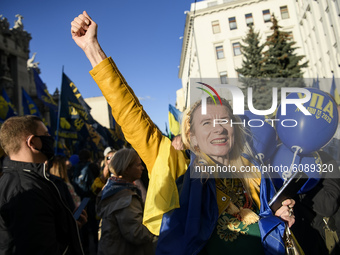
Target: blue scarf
187 229
271 227
114 185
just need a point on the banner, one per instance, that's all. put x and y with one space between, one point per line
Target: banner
72 99
43 93
73 113
30 108
7 109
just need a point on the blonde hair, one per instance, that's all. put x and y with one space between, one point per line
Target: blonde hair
59 168
122 160
240 146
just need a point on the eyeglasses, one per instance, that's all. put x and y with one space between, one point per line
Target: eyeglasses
108 158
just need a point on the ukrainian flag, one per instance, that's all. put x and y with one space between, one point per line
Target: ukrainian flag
30 107
175 118
335 93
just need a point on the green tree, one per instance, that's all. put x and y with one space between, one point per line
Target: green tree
280 59
282 67
252 69
252 55
276 67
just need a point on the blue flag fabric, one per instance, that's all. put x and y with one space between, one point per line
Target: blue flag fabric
7 109
187 229
74 113
74 102
77 124
316 83
72 98
335 92
30 108
43 93
271 227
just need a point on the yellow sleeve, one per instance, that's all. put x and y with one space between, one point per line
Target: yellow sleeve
136 125
164 163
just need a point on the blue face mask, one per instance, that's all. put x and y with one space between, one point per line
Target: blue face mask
47 147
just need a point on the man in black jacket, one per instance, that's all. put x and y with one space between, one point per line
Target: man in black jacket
33 217
311 208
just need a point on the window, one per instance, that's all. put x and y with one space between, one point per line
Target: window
224 77
239 76
219 52
284 12
216 27
232 23
237 49
249 19
266 15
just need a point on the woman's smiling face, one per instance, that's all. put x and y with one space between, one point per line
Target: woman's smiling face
215 140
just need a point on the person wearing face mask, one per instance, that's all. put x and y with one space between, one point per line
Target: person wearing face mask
33 217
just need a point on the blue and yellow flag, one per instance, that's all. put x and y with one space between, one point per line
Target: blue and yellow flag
316 83
175 119
72 103
30 108
74 113
334 92
43 93
7 109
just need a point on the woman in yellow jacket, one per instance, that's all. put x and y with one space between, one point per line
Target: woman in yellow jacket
190 215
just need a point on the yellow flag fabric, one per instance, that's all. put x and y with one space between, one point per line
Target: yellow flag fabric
174 125
162 195
174 120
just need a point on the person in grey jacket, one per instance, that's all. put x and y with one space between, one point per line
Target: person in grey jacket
120 206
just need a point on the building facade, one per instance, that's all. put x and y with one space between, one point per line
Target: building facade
102 110
319 24
16 72
214 30
16 69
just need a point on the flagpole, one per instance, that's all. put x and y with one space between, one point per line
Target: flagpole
59 107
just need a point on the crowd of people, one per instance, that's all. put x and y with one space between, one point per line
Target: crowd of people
40 193
172 212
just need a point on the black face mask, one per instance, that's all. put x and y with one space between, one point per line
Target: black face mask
47 147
